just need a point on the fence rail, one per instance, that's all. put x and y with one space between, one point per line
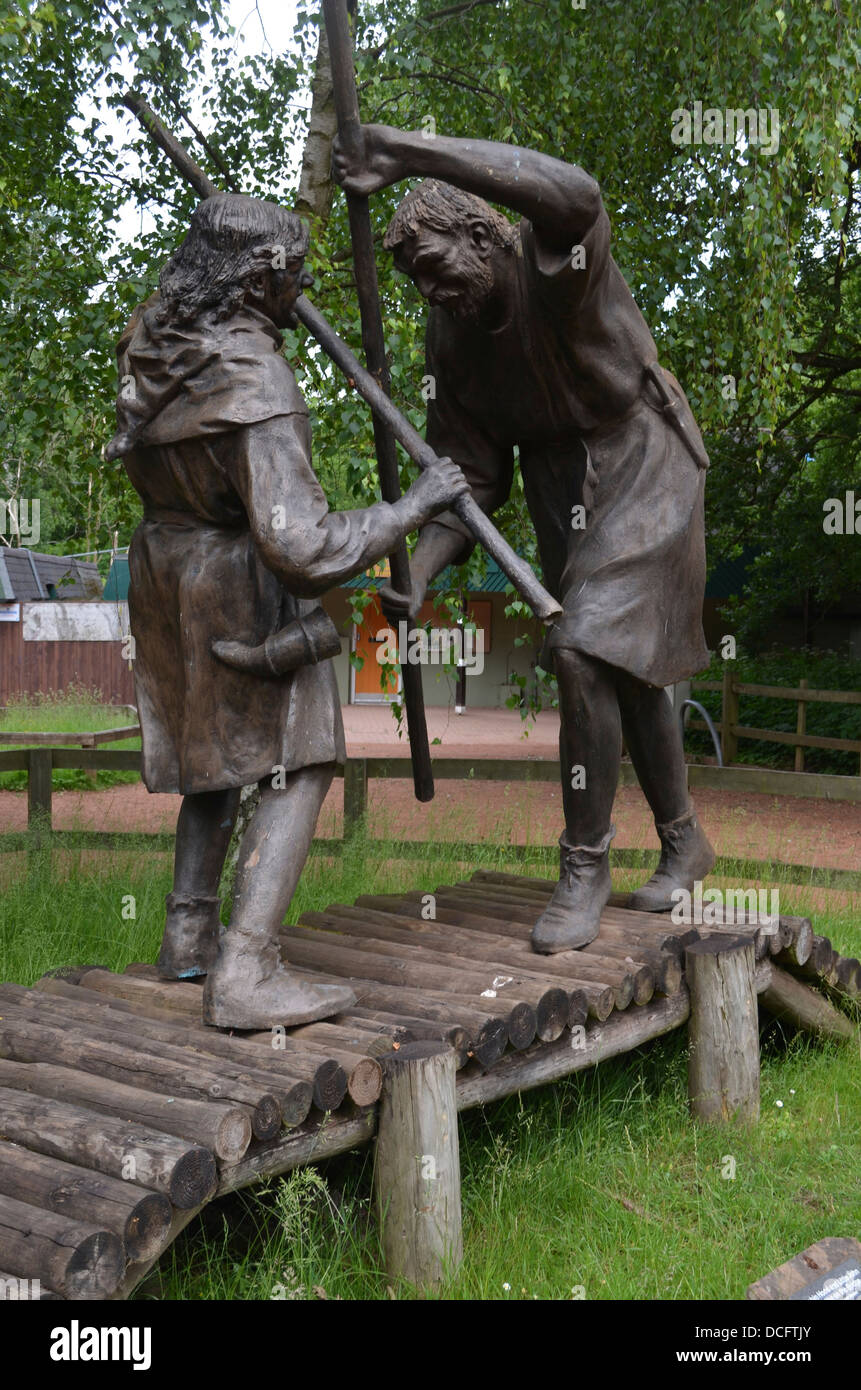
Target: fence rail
39 763
732 730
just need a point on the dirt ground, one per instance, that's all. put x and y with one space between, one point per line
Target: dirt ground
792 830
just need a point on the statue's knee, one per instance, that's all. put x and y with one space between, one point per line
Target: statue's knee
575 668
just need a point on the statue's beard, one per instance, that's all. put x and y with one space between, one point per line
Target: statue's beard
472 302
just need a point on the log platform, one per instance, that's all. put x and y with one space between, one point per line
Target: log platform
121 1115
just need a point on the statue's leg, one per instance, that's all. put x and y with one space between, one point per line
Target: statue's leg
654 738
202 837
590 750
249 987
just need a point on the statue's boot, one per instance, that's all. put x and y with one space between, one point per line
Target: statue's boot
686 857
250 988
572 918
303 642
190 942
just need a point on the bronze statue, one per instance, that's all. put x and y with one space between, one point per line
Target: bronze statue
534 341
235 545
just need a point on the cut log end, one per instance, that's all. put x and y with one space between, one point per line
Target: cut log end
296 1101
233 1136
266 1118
552 1012
147 1230
522 1024
330 1086
365 1081
490 1042
194 1179
96 1267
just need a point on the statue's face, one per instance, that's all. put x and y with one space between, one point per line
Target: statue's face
279 290
452 270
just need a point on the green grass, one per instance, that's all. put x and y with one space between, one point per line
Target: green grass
74 710
599 1183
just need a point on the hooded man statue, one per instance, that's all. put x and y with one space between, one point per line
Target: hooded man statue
235 544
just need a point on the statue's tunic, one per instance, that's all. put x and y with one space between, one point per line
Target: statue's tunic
236 540
565 381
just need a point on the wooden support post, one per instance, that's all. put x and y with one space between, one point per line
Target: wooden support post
729 716
417 1170
39 788
801 728
355 795
723 1065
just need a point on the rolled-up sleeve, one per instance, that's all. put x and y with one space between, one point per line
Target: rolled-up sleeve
309 548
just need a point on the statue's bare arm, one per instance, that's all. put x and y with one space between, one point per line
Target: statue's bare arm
559 199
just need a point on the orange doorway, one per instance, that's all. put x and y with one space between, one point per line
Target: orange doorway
366 685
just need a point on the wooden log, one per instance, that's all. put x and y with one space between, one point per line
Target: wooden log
306 948
536 1066
625 924
362 1042
543 887
141 1219
498 918
800 945
102 1051
375 1023
184 1172
612 956
78 1260
417 1167
393 1026
485 1024
224 1129
296 1082
791 999
554 1000
173 995
636 927
477 948
364 1077
820 960
664 962
454 1035
849 976
779 938
364 1074
723 1065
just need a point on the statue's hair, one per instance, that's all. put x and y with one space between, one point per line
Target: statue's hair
444 208
231 238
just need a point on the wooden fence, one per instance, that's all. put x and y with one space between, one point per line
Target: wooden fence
40 762
732 730
26 667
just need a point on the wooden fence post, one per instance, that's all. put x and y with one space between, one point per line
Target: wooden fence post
723 1062
40 762
801 728
355 794
417 1169
729 716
